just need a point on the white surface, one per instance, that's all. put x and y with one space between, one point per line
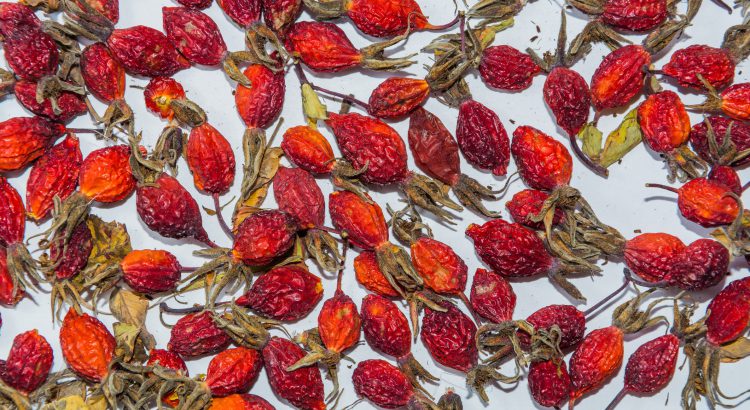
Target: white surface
621 200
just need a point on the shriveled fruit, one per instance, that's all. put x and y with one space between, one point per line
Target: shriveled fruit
286 293
705 202
543 163
368 274
385 385
549 383
528 203
242 12
397 96
106 175
233 371
619 77
29 362
211 159
702 264
510 249
263 237
24 139
308 149
240 402
195 35
87 346
298 194
145 51
260 104
302 388
150 271
279 15
568 97
31 53
505 68
715 65
651 255
597 358
71 259
67 105
482 137
196 334
55 174
492 297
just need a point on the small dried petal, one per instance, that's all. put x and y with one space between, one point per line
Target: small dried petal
260 104
87 346
308 149
619 77
286 293
297 193
302 388
396 97
211 159
510 250
543 162
263 237
482 137
196 334
145 51
492 297
29 362
506 68
106 175
233 371
651 255
55 174
370 276
714 64
362 221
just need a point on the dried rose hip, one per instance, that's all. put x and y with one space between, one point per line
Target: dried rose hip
71 259
727 176
374 147
55 174
67 105
195 35
196 334
397 96
619 77
23 140
103 75
492 297
381 18
549 383
240 402
638 15
280 14
263 237
16 16
449 338
482 137
150 271
597 358
210 159
302 388
325 47
714 64
286 293
167 360
701 265
87 346
387 330
368 274
10 294
31 53
506 68
233 371
435 152
650 367
543 162
651 255
145 51
29 362
260 104
108 8
298 194
167 208
528 203
159 94
385 385
12 217
570 320
106 175
362 220
442 270
736 132
242 12
729 313
705 202
510 249
568 97
308 149
196 4
734 102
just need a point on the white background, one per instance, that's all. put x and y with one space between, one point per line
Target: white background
621 200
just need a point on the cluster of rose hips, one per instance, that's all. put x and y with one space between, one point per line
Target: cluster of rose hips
554 231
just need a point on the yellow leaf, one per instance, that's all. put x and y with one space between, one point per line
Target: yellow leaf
622 140
111 244
592 140
128 307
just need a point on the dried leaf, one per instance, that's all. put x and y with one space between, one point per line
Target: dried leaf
252 200
68 403
128 345
735 351
111 244
128 307
622 140
313 108
592 140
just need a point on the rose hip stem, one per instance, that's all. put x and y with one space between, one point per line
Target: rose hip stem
220 217
628 279
303 80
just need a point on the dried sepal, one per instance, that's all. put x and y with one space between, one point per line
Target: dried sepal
259 38
169 147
